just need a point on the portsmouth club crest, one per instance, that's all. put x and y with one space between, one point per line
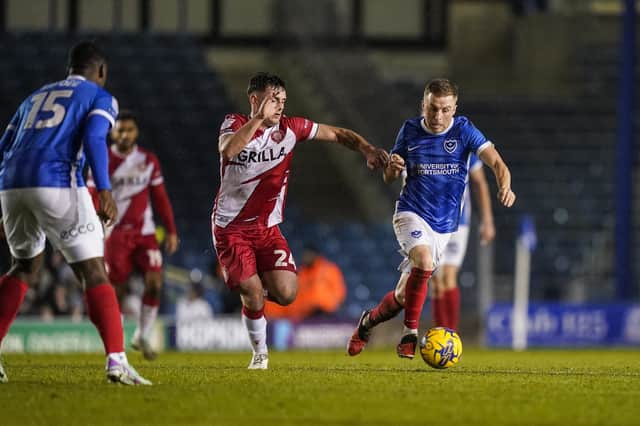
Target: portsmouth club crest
450 145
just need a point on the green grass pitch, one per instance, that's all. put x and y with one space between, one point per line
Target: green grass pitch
488 387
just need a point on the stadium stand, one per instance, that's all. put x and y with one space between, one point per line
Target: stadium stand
181 102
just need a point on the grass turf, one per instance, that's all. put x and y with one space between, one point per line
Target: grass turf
591 387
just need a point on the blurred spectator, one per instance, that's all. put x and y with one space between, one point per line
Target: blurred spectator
193 306
59 293
321 289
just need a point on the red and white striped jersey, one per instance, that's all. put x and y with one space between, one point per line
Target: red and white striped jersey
135 179
253 184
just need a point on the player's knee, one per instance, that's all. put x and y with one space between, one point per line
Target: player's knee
26 269
285 296
153 284
421 258
91 272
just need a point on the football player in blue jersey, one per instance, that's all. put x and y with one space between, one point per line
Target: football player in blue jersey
43 195
434 151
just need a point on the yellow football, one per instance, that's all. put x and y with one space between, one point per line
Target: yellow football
441 347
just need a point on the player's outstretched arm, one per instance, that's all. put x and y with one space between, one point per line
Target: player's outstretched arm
231 144
491 158
483 199
393 169
376 157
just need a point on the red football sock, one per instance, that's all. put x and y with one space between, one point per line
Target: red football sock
254 315
415 296
12 291
104 313
452 307
385 310
439 311
150 300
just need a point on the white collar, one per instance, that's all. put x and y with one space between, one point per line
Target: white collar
426 129
76 76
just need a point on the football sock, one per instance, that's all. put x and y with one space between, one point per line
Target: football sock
104 313
12 291
148 315
384 311
452 307
121 357
439 311
256 325
415 295
406 330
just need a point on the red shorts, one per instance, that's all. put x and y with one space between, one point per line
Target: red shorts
249 250
124 250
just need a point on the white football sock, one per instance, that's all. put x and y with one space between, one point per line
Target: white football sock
257 329
148 315
121 357
406 330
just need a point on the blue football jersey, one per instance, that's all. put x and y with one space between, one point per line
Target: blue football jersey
43 146
465 216
437 169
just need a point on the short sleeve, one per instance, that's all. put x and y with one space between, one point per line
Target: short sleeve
400 146
303 128
231 124
106 106
475 139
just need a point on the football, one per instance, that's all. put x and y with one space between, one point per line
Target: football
441 347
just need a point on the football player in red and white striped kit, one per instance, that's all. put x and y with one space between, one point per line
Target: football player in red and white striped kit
136 179
255 157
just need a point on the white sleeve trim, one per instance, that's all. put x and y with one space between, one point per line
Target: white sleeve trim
484 146
313 133
157 181
477 166
10 127
105 114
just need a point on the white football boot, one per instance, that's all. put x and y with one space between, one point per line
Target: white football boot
119 371
260 361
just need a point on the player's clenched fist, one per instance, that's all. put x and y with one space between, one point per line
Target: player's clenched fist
506 197
396 163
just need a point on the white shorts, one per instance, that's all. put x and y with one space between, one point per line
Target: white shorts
66 216
456 247
411 230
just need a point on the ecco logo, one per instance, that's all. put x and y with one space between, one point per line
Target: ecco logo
77 230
